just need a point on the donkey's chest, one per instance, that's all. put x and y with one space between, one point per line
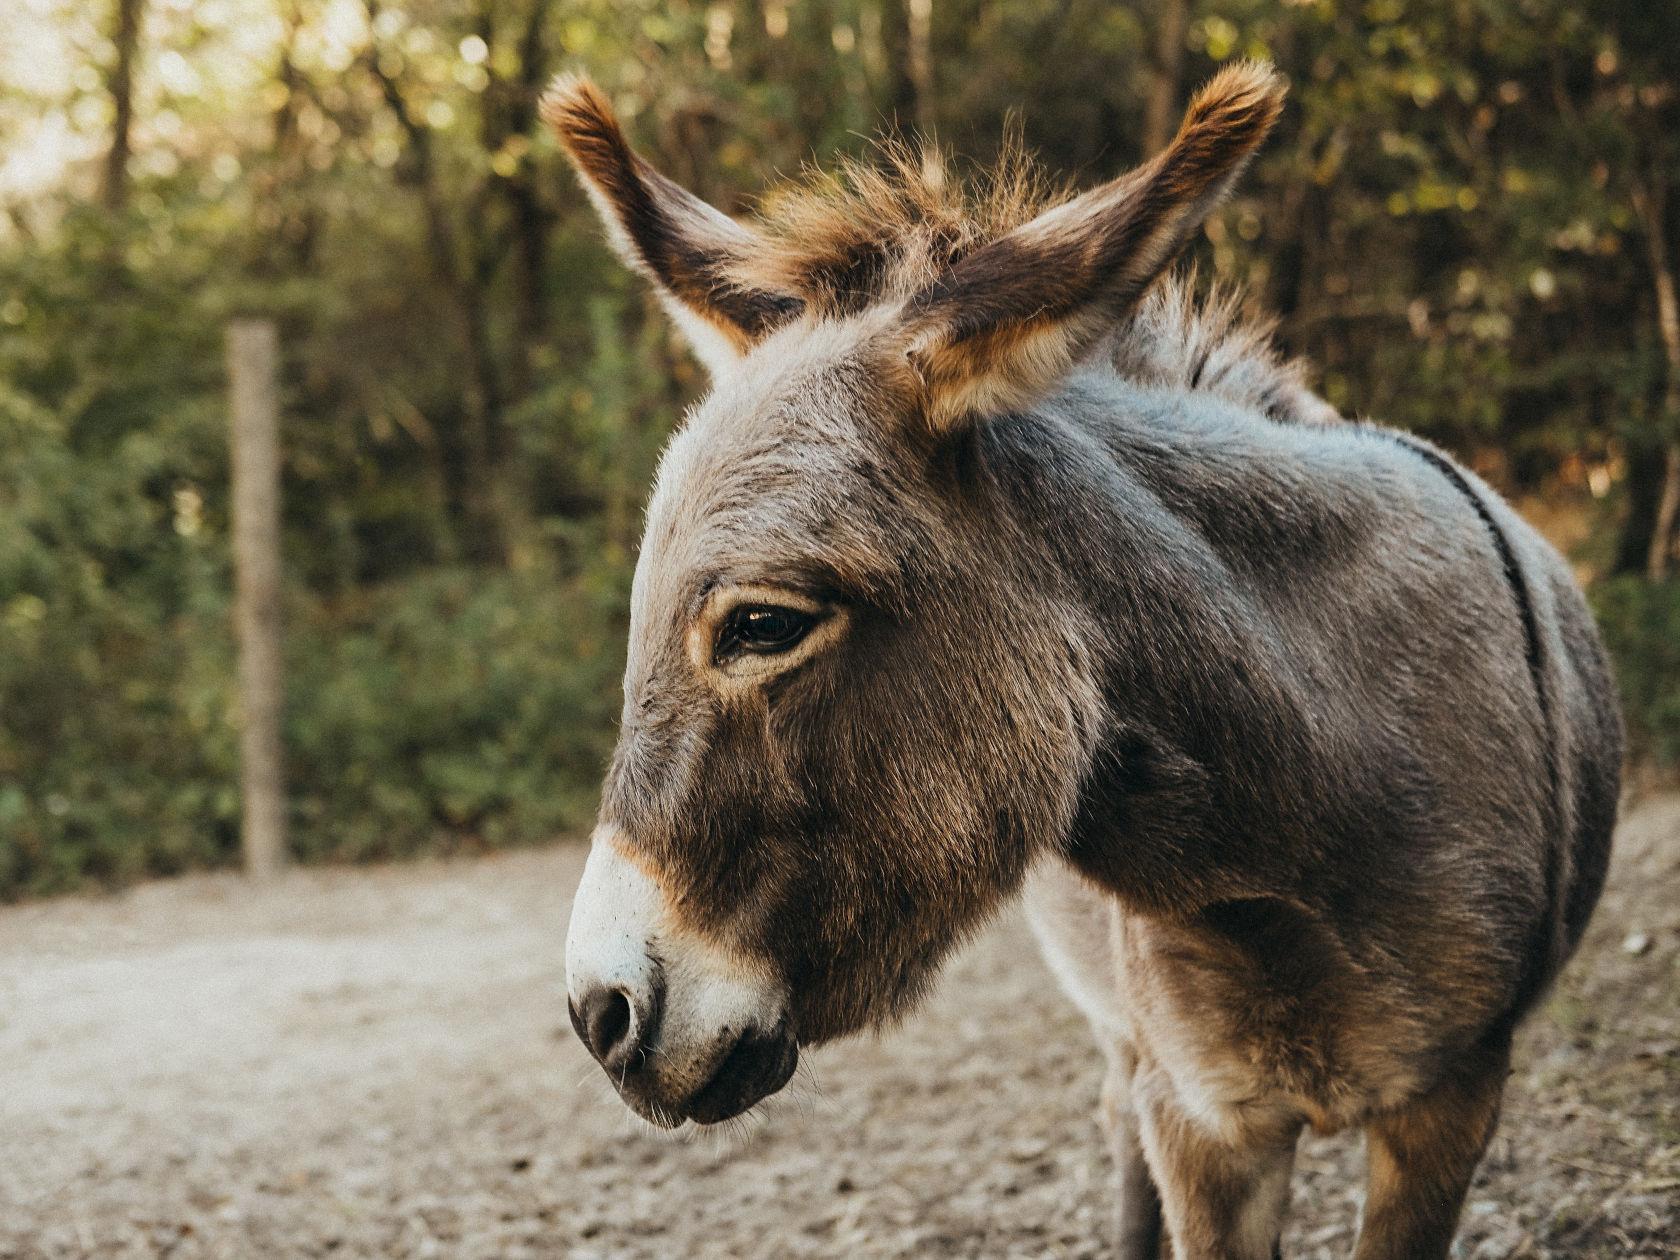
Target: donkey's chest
1260 1010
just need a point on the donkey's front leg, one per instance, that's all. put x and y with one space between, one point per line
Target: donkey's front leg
1137 1218
1422 1157
1223 1194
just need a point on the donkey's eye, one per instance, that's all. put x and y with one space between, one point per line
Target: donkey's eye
763 628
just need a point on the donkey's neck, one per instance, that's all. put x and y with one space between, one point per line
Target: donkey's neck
1187 530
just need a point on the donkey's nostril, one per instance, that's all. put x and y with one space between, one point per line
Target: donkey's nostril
609 1021
607 1024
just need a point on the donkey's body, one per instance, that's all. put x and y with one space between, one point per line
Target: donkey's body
1326 605
1335 895
984 557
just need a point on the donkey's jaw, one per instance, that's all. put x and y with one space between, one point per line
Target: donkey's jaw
684 1028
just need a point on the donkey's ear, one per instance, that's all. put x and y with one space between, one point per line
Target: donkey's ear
1005 322
664 231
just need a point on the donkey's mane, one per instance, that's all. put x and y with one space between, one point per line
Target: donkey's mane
881 230
886 226
1177 339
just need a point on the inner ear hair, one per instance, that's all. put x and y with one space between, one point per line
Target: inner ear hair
661 230
1005 322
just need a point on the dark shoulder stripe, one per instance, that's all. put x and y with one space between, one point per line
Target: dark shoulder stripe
1514 577
1540 965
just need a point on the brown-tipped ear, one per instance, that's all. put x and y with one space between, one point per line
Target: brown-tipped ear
1005 322
664 231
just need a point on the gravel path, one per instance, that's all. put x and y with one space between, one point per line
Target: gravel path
377 1063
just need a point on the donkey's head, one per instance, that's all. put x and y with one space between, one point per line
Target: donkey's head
855 707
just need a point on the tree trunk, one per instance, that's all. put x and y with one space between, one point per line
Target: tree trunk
531 221
120 83
900 90
1642 490
464 280
1160 111
252 354
918 63
1652 205
1668 509
511 111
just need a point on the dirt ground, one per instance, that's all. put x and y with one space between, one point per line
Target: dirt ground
378 1063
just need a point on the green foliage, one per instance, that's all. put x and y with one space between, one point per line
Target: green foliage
457 709
1641 624
114 755
475 394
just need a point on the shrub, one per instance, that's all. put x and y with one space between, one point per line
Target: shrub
1641 623
457 709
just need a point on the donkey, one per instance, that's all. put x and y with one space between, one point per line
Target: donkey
991 563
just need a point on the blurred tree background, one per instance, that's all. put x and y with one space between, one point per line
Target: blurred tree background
1470 221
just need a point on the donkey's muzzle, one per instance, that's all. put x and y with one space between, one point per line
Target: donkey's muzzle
686 1027
618 1028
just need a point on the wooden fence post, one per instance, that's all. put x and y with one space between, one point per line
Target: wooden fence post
252 367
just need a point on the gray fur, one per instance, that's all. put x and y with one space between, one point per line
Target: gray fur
1322 642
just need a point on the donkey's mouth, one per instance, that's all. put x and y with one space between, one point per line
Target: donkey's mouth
756 1066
